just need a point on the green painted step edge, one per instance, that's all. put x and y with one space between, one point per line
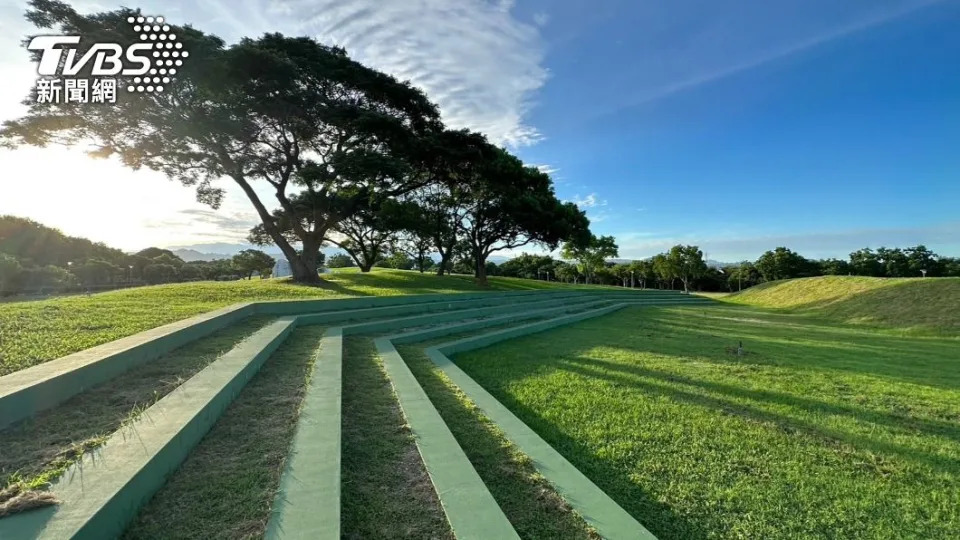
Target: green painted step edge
600 511
26 392
433 318
432 333
307 505
405 309
299 307
101 494
471 510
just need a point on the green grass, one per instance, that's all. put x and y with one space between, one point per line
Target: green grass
818 430
386 492
534 509
225 488
38 331
36 451
909 305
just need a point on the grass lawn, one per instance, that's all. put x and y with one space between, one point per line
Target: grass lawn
35 451
818 430
918 306
37 331
226 486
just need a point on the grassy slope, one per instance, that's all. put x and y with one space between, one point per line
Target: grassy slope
818 431
35 332
912 305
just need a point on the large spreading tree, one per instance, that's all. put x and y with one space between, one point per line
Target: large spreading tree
284 116
511 206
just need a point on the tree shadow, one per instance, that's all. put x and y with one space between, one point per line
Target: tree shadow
656 516
629 376
810 346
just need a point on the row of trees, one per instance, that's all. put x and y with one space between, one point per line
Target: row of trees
353 157
36 259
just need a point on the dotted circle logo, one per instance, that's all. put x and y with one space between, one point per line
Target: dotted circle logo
167 55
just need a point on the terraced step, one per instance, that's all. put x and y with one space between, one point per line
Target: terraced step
100 494
27 392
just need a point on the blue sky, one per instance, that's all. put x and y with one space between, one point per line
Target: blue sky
736 125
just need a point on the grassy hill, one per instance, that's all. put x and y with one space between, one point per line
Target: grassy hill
38 331
915 305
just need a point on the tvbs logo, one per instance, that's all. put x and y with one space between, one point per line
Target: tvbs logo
152 63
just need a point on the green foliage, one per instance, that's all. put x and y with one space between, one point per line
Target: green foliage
590 255
34 244
781 263
340 260
160 273
530 267
275 111
398 260
251 261
818 430
686 264
9 270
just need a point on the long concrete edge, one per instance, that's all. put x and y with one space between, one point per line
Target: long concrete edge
307 504
26 392
470 509
600 511
101 493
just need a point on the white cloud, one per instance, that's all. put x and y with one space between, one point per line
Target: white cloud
472 57
590 201
547 169
481 65
541 19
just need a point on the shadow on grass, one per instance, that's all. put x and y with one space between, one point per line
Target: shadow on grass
657 517
797 343
781 421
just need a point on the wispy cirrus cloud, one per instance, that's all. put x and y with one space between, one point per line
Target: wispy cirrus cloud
590 201
473 57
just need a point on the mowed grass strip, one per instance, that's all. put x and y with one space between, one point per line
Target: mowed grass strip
37 331
534 509
36 451
226 487
386 492
816 430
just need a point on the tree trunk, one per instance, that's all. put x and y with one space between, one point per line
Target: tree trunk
481 272
444 260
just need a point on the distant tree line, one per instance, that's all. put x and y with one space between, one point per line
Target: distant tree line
39 259
683 267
